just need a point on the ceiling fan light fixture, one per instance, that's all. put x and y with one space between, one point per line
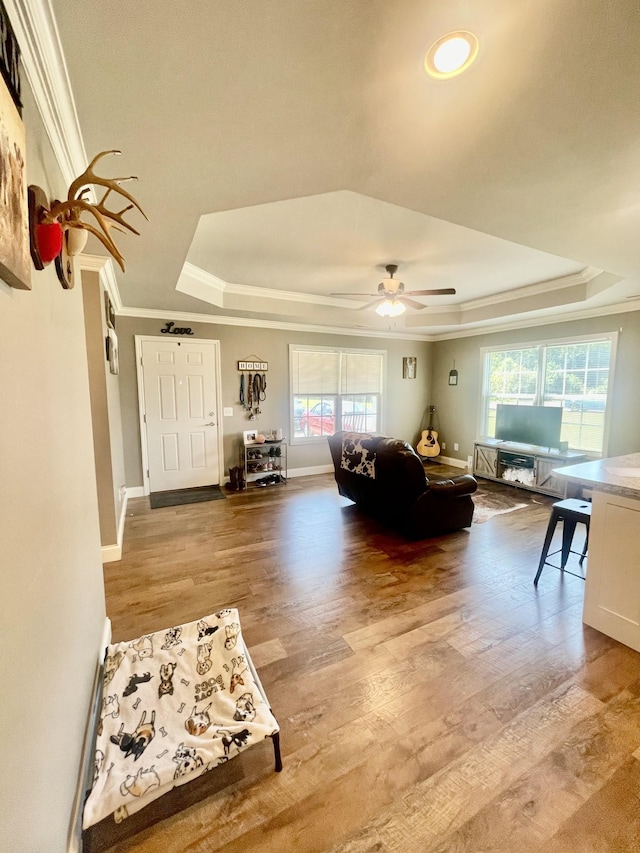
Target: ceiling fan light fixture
390 308
451 54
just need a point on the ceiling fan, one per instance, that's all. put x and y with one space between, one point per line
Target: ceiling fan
392 299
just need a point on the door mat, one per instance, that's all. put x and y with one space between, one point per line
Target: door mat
186 496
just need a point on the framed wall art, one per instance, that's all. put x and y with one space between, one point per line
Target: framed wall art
409 367
15 256
112 352
109 313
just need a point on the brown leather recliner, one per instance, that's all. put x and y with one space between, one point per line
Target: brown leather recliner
385 478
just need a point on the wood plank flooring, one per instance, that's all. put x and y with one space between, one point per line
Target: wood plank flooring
430 698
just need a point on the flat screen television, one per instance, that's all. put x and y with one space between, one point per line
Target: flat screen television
538 425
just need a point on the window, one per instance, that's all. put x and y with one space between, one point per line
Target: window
573 374
332 390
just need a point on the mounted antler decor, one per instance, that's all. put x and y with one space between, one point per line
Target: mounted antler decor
57 230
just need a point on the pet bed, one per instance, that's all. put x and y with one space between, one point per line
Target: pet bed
175 704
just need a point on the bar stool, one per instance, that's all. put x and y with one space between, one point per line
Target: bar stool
570 512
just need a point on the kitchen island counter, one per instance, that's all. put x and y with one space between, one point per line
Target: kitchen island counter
612 585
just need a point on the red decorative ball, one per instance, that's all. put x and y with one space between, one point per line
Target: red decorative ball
49 240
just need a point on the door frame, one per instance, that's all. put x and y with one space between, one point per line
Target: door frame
139 340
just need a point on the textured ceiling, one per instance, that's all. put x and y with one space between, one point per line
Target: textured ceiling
296 148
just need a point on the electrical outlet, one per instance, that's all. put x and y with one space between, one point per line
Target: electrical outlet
455 446
444 445
228 411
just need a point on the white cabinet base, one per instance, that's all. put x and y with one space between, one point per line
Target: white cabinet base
612 588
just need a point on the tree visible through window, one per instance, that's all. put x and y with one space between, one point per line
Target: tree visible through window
573 375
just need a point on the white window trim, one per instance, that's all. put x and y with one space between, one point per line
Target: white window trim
316 439
549 342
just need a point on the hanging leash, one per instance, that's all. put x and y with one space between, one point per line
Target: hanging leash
257 393
243 398
259 387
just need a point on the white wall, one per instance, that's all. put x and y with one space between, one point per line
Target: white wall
52 607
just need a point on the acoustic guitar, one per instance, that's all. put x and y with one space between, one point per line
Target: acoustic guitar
428 444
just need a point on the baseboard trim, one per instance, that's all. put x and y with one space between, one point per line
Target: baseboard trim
85 774
111 553
105 639
455 463
307 472
123 517
135 492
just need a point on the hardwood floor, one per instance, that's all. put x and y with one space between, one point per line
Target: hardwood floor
430 698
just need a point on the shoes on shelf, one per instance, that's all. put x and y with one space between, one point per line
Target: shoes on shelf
270 480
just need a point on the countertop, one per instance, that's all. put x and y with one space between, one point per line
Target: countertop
619 475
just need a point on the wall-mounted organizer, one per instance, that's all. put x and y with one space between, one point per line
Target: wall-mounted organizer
265 464
253 385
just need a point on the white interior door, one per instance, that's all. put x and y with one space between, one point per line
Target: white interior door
180 408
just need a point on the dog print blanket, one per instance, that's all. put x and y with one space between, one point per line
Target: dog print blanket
175 704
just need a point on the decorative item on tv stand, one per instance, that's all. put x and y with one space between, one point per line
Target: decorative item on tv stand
265 459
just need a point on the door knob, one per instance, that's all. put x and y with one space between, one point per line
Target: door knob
211 423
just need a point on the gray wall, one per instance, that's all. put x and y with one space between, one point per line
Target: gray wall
52 609
405 399
458 406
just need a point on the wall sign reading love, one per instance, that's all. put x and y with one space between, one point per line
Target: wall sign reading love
172 329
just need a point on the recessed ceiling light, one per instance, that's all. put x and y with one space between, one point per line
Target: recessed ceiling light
451 54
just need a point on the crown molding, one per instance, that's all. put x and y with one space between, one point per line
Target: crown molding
533 322
45 67
154 314
211 319
219 287
92 263
552 285
104 267
292 296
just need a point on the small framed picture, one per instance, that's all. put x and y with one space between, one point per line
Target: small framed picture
409 367
112 352
110 314
242 365
249 436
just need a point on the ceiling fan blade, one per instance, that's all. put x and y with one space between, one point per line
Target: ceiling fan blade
439 291
360 295
411 302
369 304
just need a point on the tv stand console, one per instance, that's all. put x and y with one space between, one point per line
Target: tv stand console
524 465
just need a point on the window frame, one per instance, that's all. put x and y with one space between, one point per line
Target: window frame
542 345
340 351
